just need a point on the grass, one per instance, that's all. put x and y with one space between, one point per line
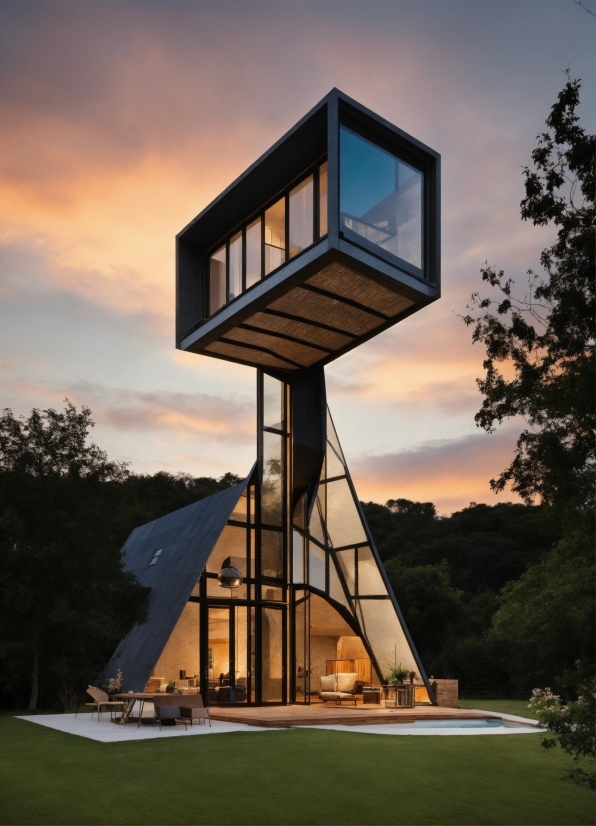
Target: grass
298 776
518 707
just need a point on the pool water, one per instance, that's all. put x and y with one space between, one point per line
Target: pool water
483 722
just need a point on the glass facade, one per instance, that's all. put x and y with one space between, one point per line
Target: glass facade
217 280
312 600
381 198
285 228
301 221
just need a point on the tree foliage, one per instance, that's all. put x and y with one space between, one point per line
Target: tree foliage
573 725
545 340
65 512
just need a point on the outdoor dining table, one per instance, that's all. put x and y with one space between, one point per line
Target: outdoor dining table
129 699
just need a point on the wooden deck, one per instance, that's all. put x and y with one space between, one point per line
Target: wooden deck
319 715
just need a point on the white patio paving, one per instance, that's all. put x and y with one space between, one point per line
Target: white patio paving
108 732
105 731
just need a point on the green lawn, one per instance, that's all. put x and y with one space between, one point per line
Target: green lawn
519 707
300 776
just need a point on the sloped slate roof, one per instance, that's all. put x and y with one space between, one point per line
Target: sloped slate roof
187 537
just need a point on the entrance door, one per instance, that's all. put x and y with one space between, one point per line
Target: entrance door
301 686
228 675
273 634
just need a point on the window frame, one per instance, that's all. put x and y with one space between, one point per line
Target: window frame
314 170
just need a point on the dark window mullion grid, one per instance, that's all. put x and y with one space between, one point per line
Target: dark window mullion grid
257 555
315 212
227 295
287 225
262 244
243 265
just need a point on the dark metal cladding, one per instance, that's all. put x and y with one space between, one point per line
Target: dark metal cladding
186 538
341 286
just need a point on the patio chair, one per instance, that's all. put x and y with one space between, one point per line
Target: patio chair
197 711
168 712
101 699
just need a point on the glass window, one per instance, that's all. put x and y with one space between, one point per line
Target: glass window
271 488
301 216
297 557
323 187
219 649
271 593
348 568
273 403
275 236
231 543
343 520
370 580
272 554
217 280
235 266
316 566
272 654
385 635
253 253
380 197
239 512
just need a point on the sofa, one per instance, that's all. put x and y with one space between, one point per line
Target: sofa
338 688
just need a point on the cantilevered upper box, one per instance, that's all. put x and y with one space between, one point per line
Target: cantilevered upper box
332 236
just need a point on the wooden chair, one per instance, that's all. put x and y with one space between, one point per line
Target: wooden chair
101 699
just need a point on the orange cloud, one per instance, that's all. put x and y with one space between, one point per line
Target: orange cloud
451 473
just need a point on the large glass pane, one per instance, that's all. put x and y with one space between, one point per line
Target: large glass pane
301 216
217 280
385 635
235 266
343 520
181 653
218 653
271 488
316 526
231 543
380 197
316 566
323 187
272 655
348 569
272 559
297 557
253 655
239 512
370 581
336 591
253 252
334 465
302 662
275 236
240 688
273 403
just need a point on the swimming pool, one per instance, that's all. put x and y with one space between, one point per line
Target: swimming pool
470 726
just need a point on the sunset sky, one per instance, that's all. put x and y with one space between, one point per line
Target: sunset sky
120 121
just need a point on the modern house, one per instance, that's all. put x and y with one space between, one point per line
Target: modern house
328 239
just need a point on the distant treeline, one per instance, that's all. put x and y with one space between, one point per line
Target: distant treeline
501 596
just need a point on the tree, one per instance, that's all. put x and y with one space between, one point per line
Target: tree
540 366
65 600
49 443
573 726
546 339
